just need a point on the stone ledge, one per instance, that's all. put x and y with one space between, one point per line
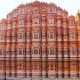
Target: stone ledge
41 79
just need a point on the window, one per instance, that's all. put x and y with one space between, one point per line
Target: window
73 36
65 52
28 36
36 51
36 10
36 21
65 36
44 9
35 36
59 23
20 52
20 66
59 36
2 37
0 52
20 36
43 18
50 22
54 21
72 50
43 22
51 52
50 36
72 23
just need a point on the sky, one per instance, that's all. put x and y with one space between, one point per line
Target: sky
6 6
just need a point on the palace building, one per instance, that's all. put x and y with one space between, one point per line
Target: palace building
39 41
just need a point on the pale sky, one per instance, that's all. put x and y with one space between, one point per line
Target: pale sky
6 6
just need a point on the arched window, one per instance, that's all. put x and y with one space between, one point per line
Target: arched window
36 10
50 36
73 50
35 36
35 51
0 52
73 36
51 52
20 36
72 23
65 36
20 52
66 52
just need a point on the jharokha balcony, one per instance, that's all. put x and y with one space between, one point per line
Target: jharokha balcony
39 41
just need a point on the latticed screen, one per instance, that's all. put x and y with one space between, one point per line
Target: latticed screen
39 40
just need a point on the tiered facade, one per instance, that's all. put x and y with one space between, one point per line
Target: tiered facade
39 40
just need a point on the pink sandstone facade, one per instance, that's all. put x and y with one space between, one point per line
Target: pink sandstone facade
39 41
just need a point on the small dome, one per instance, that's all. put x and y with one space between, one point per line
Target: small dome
36 3
71 17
